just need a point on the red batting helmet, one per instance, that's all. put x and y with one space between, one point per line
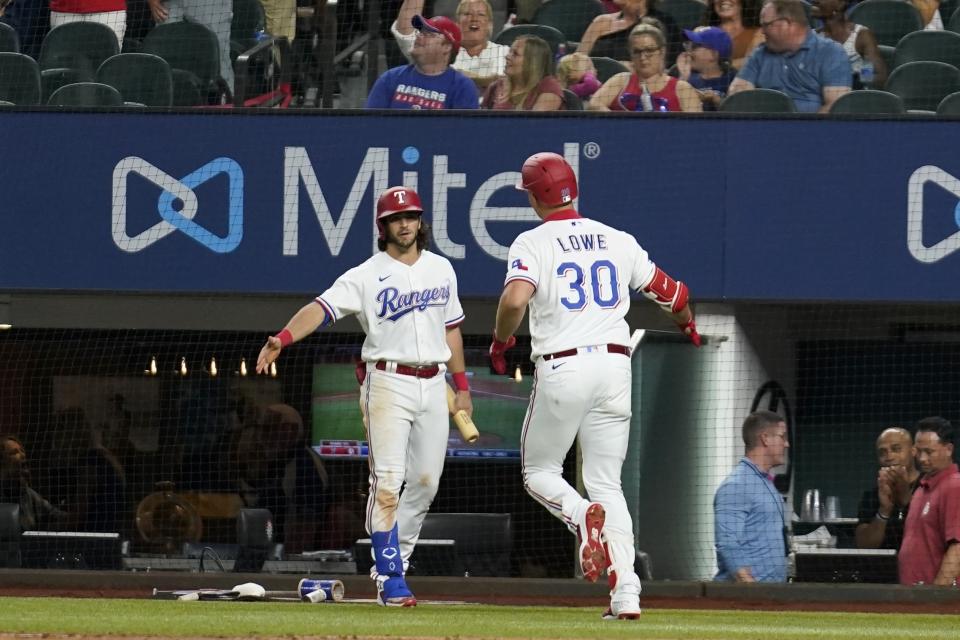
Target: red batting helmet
549 178
396 200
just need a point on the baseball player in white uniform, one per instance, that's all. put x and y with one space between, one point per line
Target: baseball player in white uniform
576 275
405 298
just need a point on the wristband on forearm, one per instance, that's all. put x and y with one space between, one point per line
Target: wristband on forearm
881 517
460 381
285 338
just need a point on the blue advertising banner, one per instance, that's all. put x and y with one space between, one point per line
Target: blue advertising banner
795 209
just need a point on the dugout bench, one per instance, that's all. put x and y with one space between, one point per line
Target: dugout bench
455 544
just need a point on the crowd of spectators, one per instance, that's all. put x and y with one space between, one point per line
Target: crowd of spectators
812 53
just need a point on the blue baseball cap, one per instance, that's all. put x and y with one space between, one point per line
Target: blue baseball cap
712 38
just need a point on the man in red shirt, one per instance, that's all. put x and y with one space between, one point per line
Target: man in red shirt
930 553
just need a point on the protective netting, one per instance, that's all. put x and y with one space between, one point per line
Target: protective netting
296 53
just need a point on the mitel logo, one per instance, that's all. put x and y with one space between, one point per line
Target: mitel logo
918 210
182 193
435 173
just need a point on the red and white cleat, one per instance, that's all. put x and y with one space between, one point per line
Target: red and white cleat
593 558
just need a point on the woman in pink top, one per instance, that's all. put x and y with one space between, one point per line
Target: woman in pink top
528 83
648 88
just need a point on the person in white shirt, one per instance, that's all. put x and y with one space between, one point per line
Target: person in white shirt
479 58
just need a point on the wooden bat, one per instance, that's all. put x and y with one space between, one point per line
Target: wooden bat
464 422
224 594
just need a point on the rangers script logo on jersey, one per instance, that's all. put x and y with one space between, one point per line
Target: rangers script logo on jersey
394 305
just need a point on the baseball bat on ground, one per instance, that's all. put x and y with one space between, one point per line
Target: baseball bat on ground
463 421
194 595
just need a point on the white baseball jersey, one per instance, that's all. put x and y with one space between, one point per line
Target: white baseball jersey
583 272
402 308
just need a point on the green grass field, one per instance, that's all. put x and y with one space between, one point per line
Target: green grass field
86 616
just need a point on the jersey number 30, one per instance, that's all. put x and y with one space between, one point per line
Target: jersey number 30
604 286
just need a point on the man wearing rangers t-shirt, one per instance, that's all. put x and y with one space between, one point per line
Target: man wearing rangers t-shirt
429 82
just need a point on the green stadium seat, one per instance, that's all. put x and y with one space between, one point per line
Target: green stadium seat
53 79
869 102
571 101
888 53
949 106
758 101
922 85
686 13
186 89
19 79
190 47
86 94
78 45
9 40
941 46
569 17
607 67
947 9
952 23
553 37
889 20
139 77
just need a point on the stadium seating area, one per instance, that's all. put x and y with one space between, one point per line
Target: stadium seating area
341 48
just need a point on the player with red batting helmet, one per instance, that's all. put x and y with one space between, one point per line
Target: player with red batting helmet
406 300
576 276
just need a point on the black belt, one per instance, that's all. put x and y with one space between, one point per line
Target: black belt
611 348
422 371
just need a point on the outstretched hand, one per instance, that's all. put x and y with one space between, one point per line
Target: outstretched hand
268 354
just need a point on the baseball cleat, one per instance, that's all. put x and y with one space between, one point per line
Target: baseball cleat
393 592
626 615
624 600
593 559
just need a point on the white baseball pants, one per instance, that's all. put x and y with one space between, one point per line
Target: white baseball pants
585 397
407 427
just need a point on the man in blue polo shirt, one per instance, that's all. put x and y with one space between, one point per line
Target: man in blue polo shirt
429 82
812 70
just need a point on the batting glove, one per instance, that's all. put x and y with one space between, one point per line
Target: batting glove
690 330
497 349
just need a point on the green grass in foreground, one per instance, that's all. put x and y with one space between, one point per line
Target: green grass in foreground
167 618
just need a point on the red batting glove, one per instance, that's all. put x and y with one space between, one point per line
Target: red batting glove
690 330
497 349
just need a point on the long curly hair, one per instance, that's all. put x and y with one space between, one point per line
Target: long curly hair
423 237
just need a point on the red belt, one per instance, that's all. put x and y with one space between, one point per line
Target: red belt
423 371
611 348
